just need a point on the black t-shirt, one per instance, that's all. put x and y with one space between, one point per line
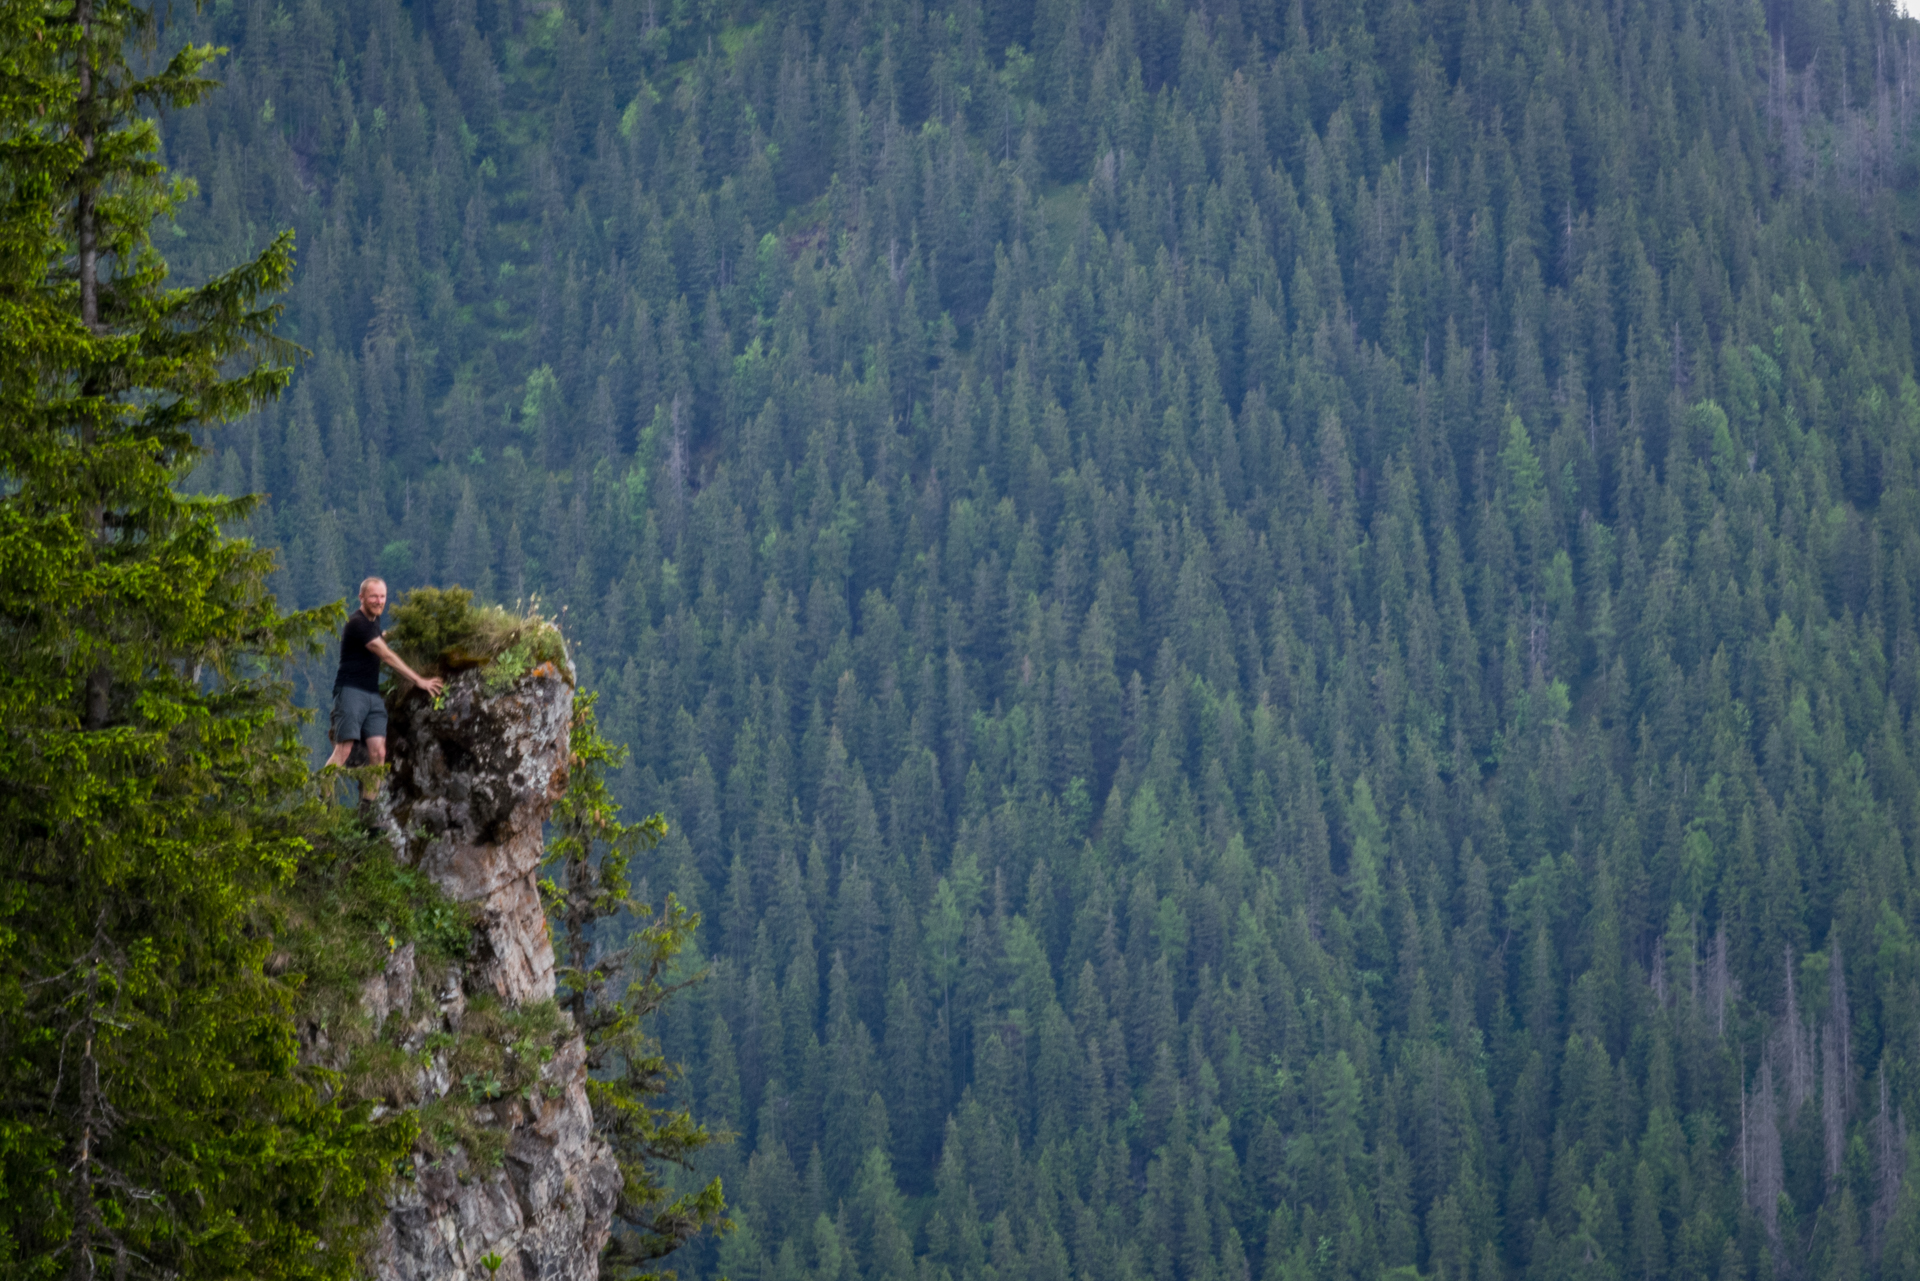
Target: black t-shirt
359 666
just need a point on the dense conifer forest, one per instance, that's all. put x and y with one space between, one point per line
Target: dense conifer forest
1281 641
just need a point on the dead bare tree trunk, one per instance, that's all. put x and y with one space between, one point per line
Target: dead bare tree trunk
1718 982
1889 1168
1840 1022
1768 1176
1833 1115
1795 1047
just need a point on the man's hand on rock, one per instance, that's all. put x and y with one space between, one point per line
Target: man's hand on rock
432 685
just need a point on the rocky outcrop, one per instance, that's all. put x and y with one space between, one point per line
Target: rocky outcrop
472 781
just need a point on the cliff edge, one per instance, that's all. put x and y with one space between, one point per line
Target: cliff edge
516 1187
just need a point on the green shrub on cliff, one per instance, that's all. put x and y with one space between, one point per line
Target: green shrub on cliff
615 996
439 631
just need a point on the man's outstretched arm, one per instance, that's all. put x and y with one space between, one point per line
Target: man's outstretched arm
398 664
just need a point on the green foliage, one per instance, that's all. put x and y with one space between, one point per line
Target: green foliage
440 631
431 625
611 993
528 650
335 927
351 905
498 1053
157 1120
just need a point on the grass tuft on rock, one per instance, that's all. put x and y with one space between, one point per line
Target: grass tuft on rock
440 631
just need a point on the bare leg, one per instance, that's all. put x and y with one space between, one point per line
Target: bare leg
376 751
343 750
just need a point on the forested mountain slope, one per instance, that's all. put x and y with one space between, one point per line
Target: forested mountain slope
1281 641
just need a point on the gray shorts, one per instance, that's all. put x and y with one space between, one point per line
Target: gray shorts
357 714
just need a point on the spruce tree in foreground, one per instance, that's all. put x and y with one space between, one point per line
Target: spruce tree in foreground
154 1120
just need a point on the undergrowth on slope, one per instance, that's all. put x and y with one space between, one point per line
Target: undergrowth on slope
337 926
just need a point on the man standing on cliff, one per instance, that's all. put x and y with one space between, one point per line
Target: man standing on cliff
359 713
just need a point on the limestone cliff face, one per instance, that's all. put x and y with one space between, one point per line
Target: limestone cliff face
472 782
